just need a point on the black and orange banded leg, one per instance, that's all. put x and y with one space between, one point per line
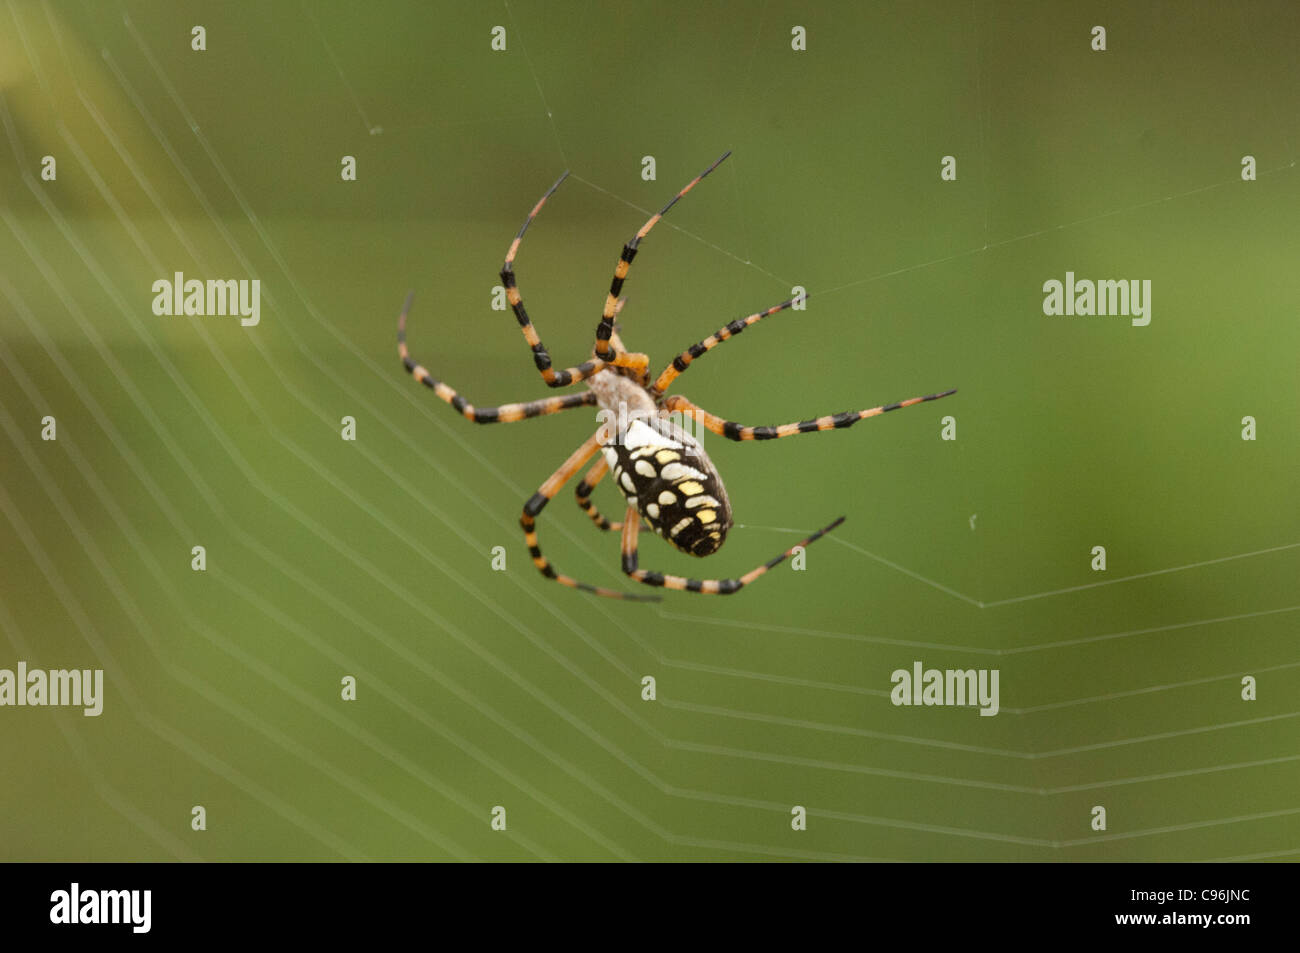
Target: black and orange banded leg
583 493
505 413
722 587
605 330
541 357
544 495
734 431
684 359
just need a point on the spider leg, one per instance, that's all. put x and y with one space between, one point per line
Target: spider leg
734 431
683 360
605 330
505 413
541 357
712 586
583 493
544 495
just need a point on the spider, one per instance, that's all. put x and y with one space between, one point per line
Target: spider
663 472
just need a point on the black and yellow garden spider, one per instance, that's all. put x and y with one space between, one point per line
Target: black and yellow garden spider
661 469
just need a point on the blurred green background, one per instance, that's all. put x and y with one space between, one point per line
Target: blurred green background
372 558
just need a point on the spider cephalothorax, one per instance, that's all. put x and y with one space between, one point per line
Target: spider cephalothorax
645 438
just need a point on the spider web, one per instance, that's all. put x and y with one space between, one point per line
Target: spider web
592 625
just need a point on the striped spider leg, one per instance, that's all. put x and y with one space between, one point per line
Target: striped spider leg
505 413
604 350
711 586
510 413
590 447
541 356
734 431
582 492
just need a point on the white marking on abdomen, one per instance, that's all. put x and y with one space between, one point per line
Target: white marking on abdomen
641 434
679 471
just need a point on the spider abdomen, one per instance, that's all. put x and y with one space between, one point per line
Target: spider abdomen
668 477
